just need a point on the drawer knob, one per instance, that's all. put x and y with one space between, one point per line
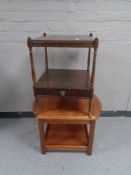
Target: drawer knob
62 93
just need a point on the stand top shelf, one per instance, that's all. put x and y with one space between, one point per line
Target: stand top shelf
82 41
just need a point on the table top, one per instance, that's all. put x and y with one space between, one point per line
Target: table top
64 41
66 37
67 110
64 79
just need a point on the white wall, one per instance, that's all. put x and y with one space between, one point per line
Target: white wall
109 20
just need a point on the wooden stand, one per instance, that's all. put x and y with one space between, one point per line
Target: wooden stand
69 126
64 98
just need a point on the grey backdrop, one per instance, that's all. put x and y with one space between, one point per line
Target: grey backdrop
109 20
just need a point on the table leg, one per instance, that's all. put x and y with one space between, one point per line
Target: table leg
91 137
42 135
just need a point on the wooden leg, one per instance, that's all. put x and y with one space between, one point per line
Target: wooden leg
89 107
91 137
47 129
87 133
42 135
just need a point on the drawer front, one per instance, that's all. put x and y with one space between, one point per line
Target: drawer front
62 92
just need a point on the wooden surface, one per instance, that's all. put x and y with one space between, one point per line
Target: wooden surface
57 110
64 79
65 41
67 83
42 135
61 113
74 83
67 137
69 125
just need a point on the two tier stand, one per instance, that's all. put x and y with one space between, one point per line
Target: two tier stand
65 104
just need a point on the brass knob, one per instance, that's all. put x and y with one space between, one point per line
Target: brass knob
62 93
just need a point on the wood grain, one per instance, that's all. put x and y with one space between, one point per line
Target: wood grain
54 109
64 41
74 83
66 136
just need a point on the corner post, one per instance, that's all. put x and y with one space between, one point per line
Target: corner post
46 55
96 42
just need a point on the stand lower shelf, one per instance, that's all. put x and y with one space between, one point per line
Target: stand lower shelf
66 137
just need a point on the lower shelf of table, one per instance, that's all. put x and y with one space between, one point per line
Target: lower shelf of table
66 137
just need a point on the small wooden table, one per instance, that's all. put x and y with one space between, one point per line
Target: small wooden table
70 126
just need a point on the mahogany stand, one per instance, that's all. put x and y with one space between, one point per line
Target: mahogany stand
64 99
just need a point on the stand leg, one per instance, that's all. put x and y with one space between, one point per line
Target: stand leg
89 106
91 137
42 136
